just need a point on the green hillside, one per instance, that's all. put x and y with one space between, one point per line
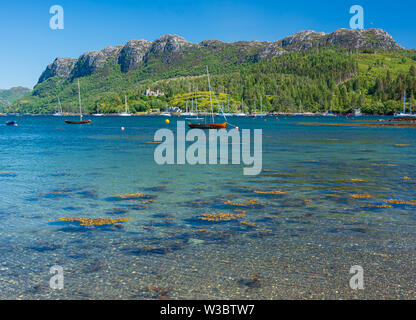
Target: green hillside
8 96
315 79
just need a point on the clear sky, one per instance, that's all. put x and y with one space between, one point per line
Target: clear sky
28 44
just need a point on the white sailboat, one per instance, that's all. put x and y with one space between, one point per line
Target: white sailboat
241 114
59 112
80 111
126 112
194 115
187 113
261 114
403 113
97 114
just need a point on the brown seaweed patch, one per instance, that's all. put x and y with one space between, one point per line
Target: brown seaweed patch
407 178
248 224
95 221
379 206
394 201
358 180
361 196
270 192
333 195
217 216
130 196
144 201
242 202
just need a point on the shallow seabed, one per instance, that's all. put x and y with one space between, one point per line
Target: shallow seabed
328 198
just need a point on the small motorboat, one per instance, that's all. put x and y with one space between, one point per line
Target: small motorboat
11 123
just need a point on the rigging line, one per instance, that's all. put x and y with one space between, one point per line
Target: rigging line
210 97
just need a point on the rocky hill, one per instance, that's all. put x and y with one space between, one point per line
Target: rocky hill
174 50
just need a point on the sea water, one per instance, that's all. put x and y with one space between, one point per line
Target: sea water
322 204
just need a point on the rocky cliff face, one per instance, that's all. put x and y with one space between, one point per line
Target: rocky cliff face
173 48
61 67
132 54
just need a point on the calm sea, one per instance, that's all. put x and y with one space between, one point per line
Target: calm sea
328 198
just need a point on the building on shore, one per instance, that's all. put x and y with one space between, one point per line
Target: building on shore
156 93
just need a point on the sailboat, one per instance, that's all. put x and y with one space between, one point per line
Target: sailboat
329 113
261 114
80 111
188 113
357 113
126 112
226 114
212 125
300 113
241 114
403 113
196 109
59 113
98 114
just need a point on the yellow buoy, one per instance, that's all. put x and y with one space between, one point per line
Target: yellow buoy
167 121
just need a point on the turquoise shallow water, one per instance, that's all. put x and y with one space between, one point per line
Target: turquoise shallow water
298 244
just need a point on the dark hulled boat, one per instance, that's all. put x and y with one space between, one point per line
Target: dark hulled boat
77 122
213 125
222 125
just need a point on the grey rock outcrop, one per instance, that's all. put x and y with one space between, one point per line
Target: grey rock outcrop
61 67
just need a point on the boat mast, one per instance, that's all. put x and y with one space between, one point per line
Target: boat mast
210 98
125 102
60 107
261 105
404 102
79 100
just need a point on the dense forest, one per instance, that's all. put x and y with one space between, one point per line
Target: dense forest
312 80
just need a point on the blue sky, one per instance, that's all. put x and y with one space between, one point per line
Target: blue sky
28 45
